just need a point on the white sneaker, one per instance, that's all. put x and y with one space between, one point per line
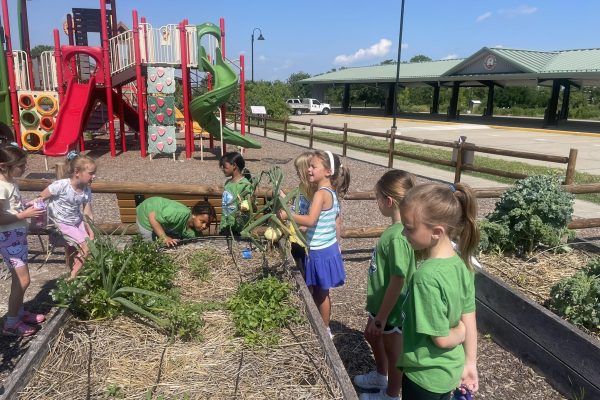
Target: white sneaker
330 334
382 395
371 380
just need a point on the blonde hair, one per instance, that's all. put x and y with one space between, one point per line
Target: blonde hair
452 206
302 163
79 163
394 184
340 179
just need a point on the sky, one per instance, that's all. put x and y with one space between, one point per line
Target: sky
317 36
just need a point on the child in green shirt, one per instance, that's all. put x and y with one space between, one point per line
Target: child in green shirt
440 331
170 220
392 264
232 215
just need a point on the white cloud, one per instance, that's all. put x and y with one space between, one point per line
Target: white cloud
450 57
262 59
523 9
499 46
379 49
483 16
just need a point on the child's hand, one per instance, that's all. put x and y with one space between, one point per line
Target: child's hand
470 378
374 328
169 241
283 215
30 213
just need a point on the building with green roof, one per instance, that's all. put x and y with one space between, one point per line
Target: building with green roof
488 67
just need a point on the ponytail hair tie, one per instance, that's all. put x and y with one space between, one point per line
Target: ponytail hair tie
452 188
331 162
71 155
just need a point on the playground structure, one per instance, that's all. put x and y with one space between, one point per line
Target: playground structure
131 75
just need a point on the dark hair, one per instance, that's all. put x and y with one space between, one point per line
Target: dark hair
10 155
394 184
452 206
340 179
77 162
235 158
204 207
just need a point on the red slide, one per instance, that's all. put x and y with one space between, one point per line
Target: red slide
70 123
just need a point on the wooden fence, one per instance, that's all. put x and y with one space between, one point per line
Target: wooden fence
463 151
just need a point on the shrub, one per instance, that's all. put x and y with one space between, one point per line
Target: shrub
577 298
533 213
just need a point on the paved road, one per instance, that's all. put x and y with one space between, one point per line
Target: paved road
531 140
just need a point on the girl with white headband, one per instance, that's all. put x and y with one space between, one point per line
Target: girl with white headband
324 267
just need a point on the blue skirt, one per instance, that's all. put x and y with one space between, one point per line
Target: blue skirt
324 267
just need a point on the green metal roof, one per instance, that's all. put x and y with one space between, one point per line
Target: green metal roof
580 64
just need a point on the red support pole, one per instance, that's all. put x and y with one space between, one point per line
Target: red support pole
120 106
223 106
107 78
242 95
26 42
140 83
10 63
59 66
189 121
189 140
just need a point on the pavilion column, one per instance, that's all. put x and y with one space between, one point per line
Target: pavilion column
453 110
489 109
550 117
346 98
435 104
564 110
389 100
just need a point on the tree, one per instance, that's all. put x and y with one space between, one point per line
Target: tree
387 62
39 49
299 89
419 58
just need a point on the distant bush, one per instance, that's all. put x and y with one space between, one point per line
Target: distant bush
533 213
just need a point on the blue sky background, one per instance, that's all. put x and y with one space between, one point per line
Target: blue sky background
315 37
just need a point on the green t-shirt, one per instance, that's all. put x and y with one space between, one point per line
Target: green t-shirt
230 217
392 256
170 214
440 291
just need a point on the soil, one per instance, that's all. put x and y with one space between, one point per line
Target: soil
501 374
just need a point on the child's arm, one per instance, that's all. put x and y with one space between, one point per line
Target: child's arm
338 228
313 213
8 218
390 298
455 337
87 212
469 376
45 194
159 230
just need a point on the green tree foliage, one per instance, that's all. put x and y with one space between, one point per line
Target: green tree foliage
272 95
420 58
299 89
39 49
534 213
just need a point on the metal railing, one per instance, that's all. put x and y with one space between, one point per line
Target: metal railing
122 52
48 71
21 69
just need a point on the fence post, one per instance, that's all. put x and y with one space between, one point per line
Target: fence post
392 133
345 141
459 157
310 138
265 126
285 131
60 169
571 167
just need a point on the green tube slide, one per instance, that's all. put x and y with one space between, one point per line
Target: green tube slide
225 82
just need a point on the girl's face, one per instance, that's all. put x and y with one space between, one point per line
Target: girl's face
200 222
17 170
87 174
317 171
419 235
228 168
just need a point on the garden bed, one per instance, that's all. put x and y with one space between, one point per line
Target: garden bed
129 358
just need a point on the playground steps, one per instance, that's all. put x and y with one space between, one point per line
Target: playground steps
123 77
97 118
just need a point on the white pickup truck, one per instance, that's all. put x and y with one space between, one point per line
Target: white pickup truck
299 106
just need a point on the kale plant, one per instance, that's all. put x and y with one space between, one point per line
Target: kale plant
534 213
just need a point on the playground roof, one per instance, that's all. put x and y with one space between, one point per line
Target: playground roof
510 67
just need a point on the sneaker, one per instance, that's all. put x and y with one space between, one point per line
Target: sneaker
371 380
32 318
381 395
330 334
20 329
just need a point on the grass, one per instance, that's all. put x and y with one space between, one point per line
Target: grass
442 154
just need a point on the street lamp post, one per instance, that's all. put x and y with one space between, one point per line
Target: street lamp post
260 37
398 66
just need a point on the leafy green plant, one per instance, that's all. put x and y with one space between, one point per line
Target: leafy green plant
113 391
260 308
577 298
184 320
201 261
533 213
